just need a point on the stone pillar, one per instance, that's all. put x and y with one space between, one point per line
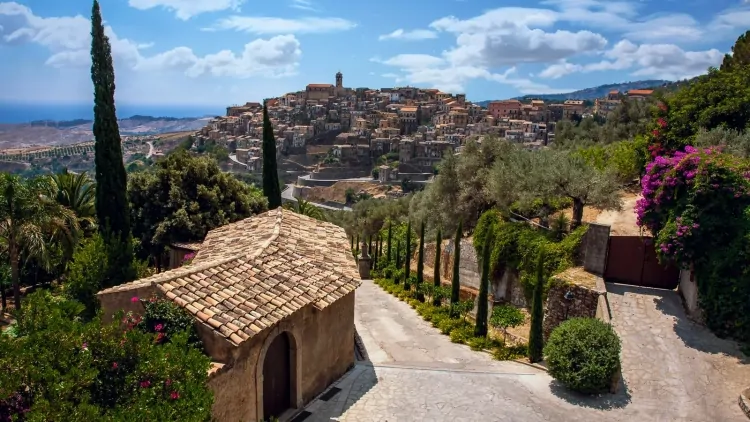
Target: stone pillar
364 261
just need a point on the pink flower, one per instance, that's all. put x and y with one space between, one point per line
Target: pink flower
145 384
168 382
114 365
174 395
85 346
134 299
159 327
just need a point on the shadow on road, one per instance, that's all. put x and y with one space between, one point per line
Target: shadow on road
692 334
605 401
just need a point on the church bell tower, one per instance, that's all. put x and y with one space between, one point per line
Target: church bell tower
339 84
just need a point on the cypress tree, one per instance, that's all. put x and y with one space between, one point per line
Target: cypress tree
112 207
398 259
407 264
356 246
455 280
536 338
271 187
480 329
351 243
420 264
390 236
436 274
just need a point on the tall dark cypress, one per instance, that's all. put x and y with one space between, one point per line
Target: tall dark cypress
455 279
398 259
480 329
356 246
112 208
271 188
536 336
390 236
436 274
420 264
407 264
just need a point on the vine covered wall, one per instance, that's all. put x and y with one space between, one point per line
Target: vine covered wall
517 245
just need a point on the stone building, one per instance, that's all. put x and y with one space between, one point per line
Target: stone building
273 301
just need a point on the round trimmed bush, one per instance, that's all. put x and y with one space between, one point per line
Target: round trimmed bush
583 354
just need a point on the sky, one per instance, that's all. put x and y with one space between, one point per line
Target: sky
223 52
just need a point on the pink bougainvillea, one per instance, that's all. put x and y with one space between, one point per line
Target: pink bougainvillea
676 190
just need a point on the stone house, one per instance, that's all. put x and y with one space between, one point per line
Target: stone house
273 301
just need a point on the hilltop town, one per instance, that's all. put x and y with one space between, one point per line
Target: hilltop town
329 132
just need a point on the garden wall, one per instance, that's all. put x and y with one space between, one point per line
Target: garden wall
584 302
505 287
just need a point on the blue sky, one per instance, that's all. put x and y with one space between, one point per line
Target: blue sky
219 52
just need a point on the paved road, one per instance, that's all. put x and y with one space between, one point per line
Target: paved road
233 157
670 361
416 374
286 195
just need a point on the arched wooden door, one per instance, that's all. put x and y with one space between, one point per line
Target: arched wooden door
277 382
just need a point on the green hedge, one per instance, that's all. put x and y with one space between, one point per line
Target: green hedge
583 354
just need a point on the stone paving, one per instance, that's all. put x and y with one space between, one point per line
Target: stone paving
670 361
416 374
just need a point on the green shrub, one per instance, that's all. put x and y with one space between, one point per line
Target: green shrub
59 367
165 319
462 334
482 343
505 352
506 316
86 273
446 326
583 354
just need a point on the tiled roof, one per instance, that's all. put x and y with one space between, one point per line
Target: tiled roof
251 274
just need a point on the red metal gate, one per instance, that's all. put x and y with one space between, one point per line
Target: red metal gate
632 260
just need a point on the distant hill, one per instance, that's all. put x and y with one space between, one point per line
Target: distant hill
591 93
50 132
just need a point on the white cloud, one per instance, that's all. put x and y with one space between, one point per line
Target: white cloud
520 44
185 9
414 35
69 41
412 61
269 25
302 5
665 61
558 70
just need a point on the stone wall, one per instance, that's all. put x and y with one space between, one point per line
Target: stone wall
584 303
688 289
505 287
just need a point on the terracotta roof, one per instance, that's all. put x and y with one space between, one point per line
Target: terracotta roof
251 274
640 92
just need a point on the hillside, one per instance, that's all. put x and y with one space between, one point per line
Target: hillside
591 93
48 133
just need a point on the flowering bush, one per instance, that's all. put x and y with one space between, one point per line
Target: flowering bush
696 203
689 195
96 371
164 319
188 258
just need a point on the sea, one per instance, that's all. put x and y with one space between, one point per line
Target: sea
24 113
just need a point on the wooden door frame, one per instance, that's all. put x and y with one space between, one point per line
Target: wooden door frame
295 367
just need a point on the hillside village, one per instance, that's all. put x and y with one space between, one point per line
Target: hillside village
331 132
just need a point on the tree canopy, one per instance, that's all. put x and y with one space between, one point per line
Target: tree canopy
183 197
